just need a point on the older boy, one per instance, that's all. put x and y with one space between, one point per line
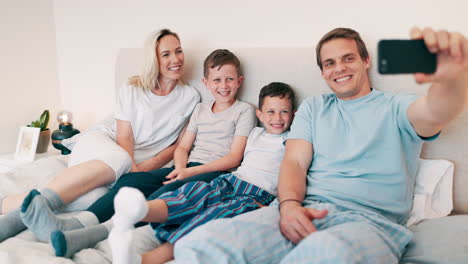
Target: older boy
347 178
252 185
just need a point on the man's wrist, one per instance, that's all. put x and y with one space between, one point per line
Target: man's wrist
286 201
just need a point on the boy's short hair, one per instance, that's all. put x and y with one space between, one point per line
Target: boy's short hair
342 33
277 89
219 58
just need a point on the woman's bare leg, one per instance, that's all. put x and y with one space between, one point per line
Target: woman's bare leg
12 202
75 181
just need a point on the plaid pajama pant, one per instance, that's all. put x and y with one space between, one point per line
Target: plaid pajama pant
343 236
196 203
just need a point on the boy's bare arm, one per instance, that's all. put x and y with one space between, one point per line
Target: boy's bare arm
448 94
181 157
230 161
295 221
183 149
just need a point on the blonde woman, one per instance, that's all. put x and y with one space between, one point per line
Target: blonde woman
152 110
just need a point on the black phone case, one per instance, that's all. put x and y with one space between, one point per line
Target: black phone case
405 56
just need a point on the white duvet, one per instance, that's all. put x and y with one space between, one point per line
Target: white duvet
25 249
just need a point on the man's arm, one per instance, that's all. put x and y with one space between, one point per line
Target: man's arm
448 94
296 220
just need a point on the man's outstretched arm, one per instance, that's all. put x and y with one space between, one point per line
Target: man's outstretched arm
448 93
296 220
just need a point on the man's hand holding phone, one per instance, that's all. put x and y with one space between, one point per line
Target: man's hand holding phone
452 55
434 56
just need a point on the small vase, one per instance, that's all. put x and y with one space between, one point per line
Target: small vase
44 140
65 131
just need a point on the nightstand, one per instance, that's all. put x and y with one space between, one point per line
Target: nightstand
8 162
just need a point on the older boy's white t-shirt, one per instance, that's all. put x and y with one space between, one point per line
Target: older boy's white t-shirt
215 131
262 159
156 120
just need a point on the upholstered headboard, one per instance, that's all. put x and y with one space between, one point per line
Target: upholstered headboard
296 66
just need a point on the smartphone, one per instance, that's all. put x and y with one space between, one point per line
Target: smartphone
405 56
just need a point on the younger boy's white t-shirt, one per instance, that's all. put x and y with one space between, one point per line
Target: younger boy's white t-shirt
216 131
262 159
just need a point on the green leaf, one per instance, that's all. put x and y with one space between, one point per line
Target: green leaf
35 123
44 120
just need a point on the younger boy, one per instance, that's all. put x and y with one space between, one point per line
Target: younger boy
175 214
213 144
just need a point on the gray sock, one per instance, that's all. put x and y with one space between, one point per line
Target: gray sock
53 199
41 220
67 243
10 225
109 224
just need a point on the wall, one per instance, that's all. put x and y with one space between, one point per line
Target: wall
28 66
91 33
79 41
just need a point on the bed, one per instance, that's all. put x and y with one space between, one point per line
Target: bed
439 240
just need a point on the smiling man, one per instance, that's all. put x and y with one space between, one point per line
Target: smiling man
347 179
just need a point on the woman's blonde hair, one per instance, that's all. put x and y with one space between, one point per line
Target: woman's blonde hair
148 79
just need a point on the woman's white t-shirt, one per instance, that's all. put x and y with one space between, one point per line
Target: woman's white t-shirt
156 120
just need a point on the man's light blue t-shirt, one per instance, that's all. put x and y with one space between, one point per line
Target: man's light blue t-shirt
365 151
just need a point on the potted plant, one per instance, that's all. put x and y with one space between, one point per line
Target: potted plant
44 137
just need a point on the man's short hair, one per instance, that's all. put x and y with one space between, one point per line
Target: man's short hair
342 33
219 58
277 89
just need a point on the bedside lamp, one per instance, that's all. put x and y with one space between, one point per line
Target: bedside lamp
65 131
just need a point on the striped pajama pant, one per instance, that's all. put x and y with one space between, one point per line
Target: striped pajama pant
343 236
196 203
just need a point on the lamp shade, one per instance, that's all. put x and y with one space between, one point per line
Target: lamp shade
64 117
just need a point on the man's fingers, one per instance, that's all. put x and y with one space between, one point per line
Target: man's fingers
431 40
465 51
416 33
298 225
290 233
442 40
317 214
306 224
303 225
456 45
423 78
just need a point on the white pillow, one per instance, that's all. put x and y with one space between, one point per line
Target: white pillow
433 191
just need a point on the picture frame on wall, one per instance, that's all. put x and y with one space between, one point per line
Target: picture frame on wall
28 138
